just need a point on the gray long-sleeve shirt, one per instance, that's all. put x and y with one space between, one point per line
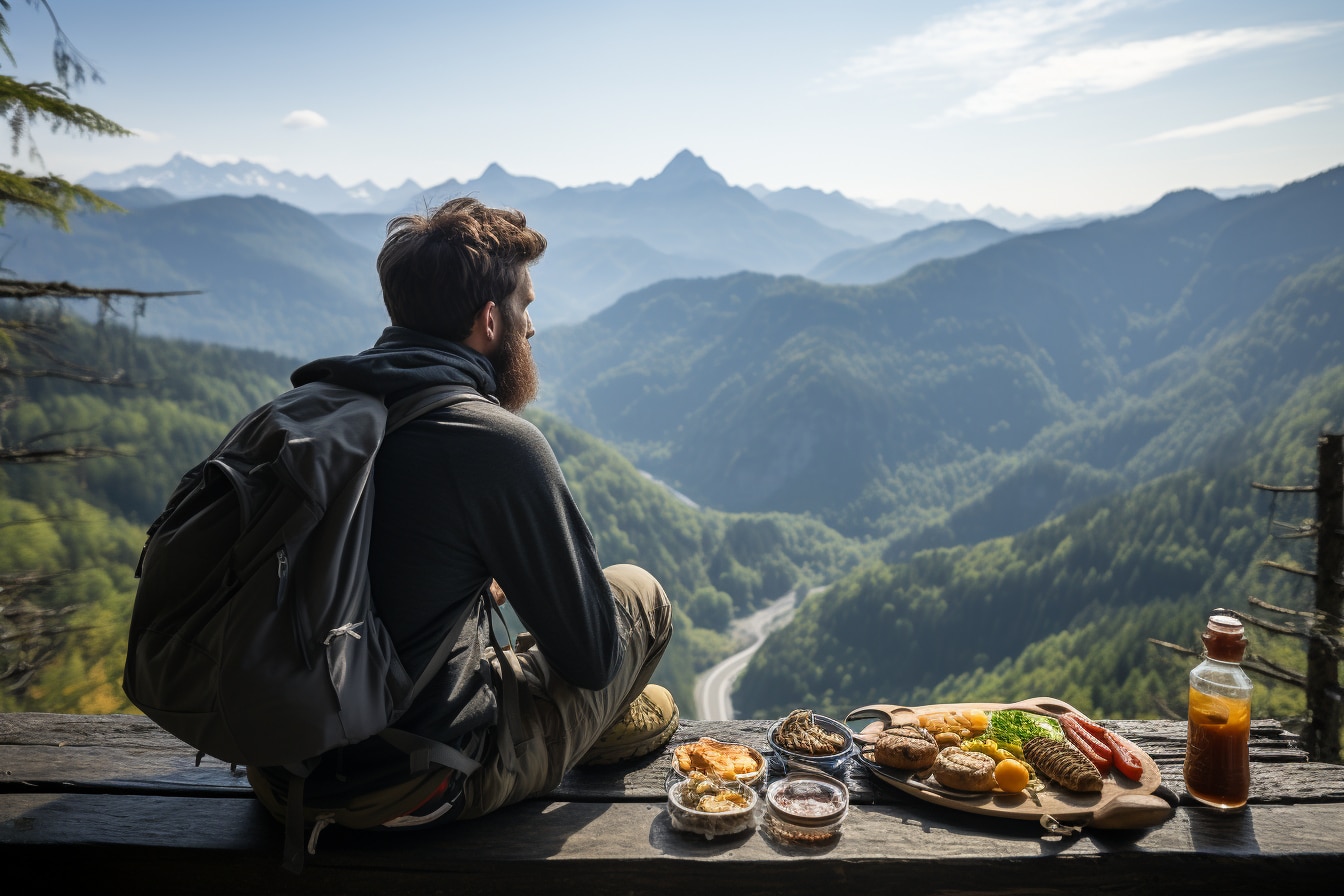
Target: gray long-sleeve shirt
463 495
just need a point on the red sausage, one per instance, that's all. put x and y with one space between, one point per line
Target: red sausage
1096 752
1124 754
1096 730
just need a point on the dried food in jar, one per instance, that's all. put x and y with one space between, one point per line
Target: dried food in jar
710 793
801 734
729 761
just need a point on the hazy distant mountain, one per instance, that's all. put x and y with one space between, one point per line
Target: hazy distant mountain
874 405
139 197
584 275
495 187
874 264
836 210
935 210
273 277
187 178
689 210
608 239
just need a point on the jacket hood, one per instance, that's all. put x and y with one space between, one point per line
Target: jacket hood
403 361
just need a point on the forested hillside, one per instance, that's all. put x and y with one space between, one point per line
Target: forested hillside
1065 608
271 276
886 261
87 519
884 408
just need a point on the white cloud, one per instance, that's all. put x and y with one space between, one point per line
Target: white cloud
1013 57
147 136
1256 119
304 119
990 35
1122 66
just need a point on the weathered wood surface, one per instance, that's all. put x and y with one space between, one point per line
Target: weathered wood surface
167 845
117 795
130 754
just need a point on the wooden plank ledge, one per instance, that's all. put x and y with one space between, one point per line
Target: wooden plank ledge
115 796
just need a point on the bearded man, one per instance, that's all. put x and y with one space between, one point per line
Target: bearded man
472 494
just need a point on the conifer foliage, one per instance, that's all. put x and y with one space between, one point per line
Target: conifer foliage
25 104
31 631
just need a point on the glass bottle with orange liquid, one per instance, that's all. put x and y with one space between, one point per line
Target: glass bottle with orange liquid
1217 751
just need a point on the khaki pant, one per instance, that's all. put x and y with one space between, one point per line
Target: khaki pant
561 722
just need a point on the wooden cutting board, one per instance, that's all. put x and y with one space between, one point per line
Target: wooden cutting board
1122 803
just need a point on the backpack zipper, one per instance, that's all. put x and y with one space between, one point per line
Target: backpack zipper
282 573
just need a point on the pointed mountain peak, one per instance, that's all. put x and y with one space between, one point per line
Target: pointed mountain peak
686 168
494 169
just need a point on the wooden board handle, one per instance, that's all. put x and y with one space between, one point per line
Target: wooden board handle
1133 810
1046 706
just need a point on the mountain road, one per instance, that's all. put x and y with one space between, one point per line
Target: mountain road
714 687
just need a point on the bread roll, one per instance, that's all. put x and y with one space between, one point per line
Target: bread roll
964 770
908 747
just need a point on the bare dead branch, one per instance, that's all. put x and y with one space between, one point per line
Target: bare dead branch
1272 671
1316 616
1269 626
29 289
1283 488
1295 570
40 339
1167 645
20 455
1266 663
1255 601
1305 529
1292 678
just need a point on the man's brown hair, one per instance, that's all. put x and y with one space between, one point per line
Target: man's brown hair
438 270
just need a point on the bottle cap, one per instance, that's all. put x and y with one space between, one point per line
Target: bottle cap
1224 638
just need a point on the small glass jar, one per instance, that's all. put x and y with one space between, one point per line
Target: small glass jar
805 808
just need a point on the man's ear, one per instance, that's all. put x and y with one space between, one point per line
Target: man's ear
485 329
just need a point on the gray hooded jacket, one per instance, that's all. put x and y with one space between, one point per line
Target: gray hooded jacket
463 495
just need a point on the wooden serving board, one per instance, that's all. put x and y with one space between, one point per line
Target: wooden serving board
1122 803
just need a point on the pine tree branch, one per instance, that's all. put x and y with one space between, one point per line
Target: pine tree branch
48 195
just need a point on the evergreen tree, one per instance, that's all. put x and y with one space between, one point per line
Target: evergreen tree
30 632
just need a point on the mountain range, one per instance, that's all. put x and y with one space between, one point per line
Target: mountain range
606 240
186 178
881 408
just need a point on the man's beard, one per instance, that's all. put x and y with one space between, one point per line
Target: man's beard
516 379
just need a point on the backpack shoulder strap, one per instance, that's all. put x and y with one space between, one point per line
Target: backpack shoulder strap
399 414
426 400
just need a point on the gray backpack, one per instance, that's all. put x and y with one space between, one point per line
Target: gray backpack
253 636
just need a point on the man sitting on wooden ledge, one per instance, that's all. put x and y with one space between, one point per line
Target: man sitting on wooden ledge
472 493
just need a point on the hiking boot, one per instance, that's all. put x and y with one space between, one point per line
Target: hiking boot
648 723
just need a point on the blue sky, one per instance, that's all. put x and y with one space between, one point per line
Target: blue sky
1038 106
